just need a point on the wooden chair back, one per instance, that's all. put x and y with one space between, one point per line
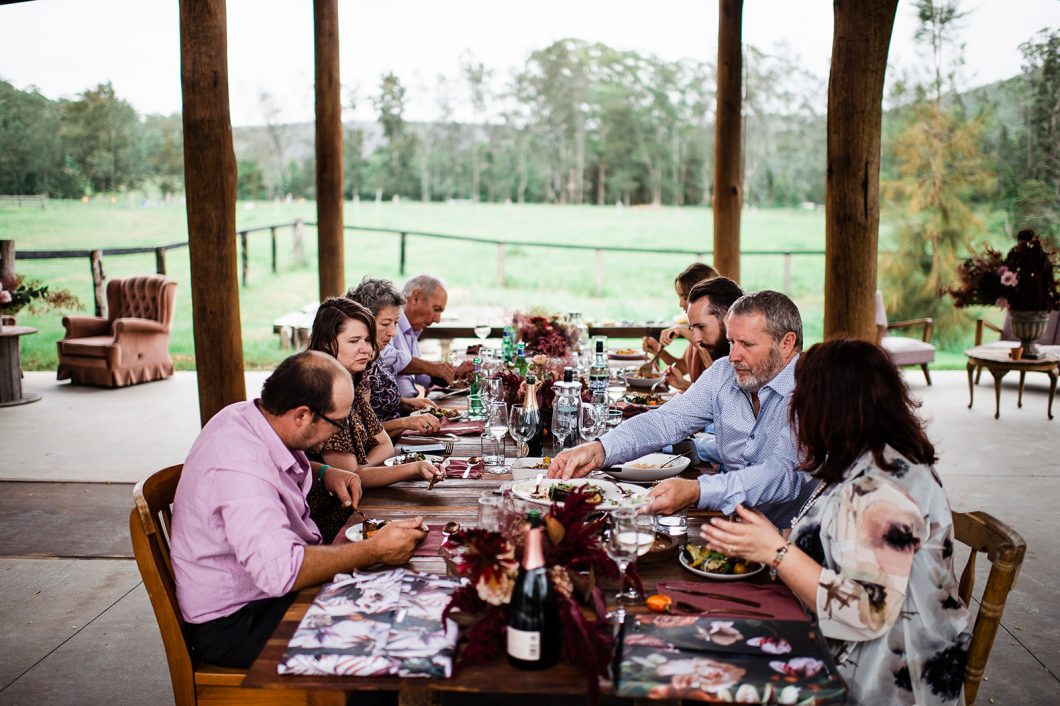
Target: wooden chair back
1004 549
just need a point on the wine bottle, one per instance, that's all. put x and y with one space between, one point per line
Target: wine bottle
535 442
533 621
520 359
599 372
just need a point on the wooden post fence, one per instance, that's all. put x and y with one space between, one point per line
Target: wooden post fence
272 239
298 243
7 258
401 254
246 256
95 261
500 264
160 260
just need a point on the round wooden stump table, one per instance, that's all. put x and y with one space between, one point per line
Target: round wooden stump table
11 366
998 362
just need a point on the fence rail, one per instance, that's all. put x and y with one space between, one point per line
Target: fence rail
19 199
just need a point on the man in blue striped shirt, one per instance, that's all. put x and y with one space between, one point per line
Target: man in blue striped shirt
746 396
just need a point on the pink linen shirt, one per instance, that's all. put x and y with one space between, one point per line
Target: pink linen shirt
240 519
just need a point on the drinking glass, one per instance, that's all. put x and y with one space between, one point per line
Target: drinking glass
623 544
616 385
614 417
475 410
522 426
491 513
563 427
497 425
482 329
592 420
491 450
495 389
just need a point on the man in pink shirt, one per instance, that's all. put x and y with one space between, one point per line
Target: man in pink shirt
242 542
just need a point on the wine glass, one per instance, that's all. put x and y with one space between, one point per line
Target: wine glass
495 389
616 385
522 425
482 330
623 546
497 425
592 420
563 427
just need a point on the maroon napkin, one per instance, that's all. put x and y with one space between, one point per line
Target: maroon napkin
775 599
455 469
431 543
631 410
462 428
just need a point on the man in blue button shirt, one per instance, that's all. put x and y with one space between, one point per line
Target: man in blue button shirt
746 396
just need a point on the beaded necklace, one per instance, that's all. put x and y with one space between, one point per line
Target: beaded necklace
809 504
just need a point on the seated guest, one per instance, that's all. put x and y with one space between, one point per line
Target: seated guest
695 360
745 396
383 299
871 552
426 299
242 539
346 330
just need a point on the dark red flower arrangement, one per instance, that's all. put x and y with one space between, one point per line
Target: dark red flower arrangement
1023 280
547 335
575 555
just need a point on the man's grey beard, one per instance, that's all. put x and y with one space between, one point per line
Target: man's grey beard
760 378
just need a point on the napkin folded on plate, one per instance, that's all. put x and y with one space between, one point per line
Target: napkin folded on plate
455 468
431 543
460 428
775 599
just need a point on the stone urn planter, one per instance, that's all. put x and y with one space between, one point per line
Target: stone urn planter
1028 327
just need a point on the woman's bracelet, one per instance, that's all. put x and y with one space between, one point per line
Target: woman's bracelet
781 553
320 473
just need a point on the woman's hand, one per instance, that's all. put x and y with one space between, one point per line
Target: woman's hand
425 470
416 403
753 538
650 345
667 336
674 378
423 423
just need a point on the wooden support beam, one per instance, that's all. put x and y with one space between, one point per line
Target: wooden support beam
728 141
852 178
99 280
210 186
330 250
7 259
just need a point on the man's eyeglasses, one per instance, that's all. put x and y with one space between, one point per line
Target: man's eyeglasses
344 425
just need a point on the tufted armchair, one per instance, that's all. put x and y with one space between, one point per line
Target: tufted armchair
128 347
905 351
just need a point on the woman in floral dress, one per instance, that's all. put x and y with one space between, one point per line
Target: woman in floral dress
872 553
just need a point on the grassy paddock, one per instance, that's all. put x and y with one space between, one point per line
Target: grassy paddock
636 286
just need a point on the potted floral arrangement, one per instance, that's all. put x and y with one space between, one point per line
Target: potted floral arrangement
16 293
489 561
544 334
1023 281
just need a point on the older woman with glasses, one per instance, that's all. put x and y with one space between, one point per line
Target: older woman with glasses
385 301
346 330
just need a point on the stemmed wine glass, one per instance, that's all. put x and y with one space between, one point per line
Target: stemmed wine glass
495 388
522 425
482 330
632 534
616 385
497 425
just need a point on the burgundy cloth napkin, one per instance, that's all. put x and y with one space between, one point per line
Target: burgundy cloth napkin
775 599
431 543
462 428
631 410
455 469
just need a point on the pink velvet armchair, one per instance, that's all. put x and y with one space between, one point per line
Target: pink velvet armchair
902 350
131 345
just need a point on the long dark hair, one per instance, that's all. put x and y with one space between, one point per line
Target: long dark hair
849 398
693 275
332 313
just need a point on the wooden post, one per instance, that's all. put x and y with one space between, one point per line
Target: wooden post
210 186
244 248
99 293
330 251
599 273
728 171
160 260
7 259
787 274
298 242
401 254
852 177
272 240
500 264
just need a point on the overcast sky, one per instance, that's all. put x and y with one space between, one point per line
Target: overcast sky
66 46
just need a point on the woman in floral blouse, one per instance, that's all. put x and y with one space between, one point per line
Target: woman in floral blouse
872 553
384 300
346 330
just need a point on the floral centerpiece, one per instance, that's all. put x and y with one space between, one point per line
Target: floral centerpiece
575 557
16 293
544 334
1023 281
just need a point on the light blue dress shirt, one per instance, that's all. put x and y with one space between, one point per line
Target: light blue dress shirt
403 347
757 453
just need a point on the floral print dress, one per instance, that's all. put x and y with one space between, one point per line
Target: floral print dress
386 400
887 598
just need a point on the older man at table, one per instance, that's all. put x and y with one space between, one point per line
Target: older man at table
746 395
426 299
242 541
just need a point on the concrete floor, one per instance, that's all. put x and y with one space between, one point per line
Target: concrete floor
80 630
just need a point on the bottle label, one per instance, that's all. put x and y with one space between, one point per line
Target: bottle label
524 644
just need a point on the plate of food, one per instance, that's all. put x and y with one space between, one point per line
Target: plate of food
662 548
699 559
411 457
442 413
364 530
608 495
647 399
649 468
626 354
540 463
658 382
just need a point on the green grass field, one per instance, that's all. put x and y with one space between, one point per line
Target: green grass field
636 286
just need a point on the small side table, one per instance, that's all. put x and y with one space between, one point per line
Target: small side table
997 361
11 366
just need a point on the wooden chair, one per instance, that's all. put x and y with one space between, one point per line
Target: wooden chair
904 351
1004 549
194 681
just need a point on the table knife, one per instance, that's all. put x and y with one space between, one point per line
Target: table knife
716 596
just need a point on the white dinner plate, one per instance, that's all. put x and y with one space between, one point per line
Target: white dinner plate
647 383
615 494
615 355
755 568
648 468
399 459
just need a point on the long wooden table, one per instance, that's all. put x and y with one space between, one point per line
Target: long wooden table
452 499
